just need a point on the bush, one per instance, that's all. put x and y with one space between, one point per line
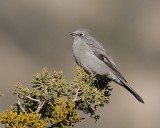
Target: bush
53 102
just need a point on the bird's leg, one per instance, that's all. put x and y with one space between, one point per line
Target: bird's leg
94 74
108 80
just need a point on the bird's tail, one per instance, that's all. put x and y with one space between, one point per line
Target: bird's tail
133 92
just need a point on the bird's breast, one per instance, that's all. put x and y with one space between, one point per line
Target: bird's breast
81 52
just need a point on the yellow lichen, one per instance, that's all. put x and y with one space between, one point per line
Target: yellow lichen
12 119
64 113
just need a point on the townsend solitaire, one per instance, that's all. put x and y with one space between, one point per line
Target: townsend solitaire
93 58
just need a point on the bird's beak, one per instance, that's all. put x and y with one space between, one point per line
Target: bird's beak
72 33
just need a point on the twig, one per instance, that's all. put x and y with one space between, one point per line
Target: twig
40 106
20 105
40 103
33 99
76 95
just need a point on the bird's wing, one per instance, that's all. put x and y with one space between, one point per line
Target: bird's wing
109 64
100 53
98 48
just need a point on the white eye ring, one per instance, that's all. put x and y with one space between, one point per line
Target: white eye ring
81 34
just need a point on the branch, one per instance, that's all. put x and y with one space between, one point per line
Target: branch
19 103
40 106
76 95
40 103
33 99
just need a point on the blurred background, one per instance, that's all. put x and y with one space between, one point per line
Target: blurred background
34 35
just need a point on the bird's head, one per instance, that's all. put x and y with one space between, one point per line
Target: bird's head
81 34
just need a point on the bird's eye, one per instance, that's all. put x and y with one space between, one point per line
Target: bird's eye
81 34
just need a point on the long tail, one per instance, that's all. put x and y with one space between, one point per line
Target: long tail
134 93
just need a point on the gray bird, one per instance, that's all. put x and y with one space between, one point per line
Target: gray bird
93 58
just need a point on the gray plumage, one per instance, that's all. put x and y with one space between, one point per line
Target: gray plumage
93 58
